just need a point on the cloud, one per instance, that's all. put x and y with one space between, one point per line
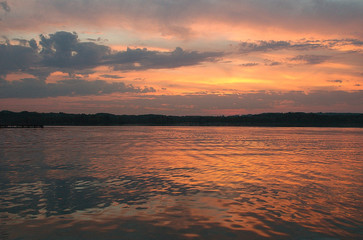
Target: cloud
64 51
166 18
22 42
246 47
331 47
36 88
200 104
264 46
335 81
141 59
248 64
99 39
111 76
340 42
15 58
4 5
272 63
310 59
259 101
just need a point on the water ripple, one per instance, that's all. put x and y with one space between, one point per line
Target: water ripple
181 183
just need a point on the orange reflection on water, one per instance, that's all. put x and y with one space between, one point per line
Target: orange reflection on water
194 182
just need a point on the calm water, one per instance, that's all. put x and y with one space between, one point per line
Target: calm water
181 183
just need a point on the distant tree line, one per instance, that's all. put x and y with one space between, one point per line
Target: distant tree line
291 119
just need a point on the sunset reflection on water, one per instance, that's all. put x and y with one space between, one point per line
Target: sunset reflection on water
181 183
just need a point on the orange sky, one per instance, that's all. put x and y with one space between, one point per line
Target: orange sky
181 57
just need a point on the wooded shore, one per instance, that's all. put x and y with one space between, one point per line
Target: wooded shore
291 119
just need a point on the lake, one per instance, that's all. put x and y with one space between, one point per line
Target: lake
142 182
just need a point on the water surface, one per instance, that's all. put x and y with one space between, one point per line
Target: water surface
181 183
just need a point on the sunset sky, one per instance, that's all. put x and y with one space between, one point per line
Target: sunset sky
181 57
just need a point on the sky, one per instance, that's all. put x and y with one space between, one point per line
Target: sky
181 57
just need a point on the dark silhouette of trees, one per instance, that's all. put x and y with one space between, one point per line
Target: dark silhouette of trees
291 119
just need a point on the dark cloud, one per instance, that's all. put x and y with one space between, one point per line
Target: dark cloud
272 63
4 5
36 88
96 39
264 46
23 42
355 42
269 62
335 81
330 46
15 58
302 45
333 43
310 59
33 44
246 47
111 76
204 103
259 101
326 98
64 51
268 100
248 64
141 59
